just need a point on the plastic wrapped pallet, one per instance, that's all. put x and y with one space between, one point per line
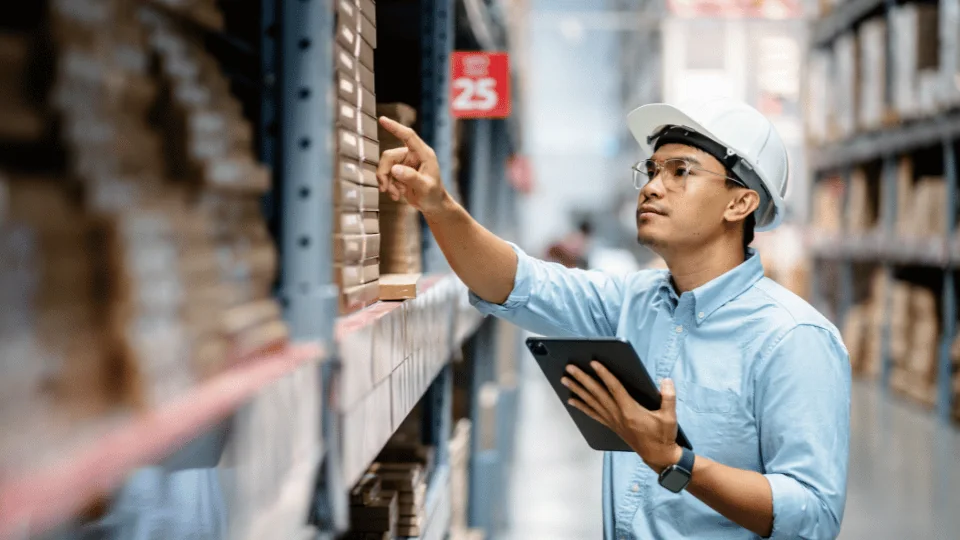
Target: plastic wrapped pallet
873 73
846 88
949 81
818 111
915 62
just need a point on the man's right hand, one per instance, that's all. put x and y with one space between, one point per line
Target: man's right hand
411 172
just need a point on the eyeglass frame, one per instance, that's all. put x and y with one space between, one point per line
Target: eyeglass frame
660 167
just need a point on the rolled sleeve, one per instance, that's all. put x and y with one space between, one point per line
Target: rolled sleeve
803 407
789 507
551 299
518 296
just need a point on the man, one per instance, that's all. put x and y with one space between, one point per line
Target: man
759 380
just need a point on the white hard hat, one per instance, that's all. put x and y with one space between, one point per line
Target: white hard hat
738 135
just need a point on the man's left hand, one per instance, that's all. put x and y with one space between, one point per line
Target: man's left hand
651 434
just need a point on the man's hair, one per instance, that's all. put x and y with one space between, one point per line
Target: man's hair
749 224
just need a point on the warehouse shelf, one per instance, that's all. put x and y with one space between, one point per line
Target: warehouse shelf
902 138
37 500
391 354
844 17
878 247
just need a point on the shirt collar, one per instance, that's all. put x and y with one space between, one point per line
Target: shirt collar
710 296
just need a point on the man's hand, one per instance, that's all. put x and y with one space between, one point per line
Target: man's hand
411 172
651 434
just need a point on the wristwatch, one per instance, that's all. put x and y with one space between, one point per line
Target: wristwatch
676 477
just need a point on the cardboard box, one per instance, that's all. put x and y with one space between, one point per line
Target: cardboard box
350 197
353 222
355 247
818 104
905 197
351 275
861 210
351 145
353 92
356 67
349 16
349 117
357 172
399 286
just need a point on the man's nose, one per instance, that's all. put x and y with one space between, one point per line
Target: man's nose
654 189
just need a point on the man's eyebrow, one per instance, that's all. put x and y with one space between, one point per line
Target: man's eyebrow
686 157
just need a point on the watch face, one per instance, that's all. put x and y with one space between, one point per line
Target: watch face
675 480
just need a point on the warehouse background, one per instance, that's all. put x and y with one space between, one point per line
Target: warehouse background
213 326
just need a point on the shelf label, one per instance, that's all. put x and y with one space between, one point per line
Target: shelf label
480 85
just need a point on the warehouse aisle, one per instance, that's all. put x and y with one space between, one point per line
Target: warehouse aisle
904 471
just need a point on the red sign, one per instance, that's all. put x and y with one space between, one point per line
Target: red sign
480 85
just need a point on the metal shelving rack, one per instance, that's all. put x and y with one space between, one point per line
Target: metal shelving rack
881 246
286 73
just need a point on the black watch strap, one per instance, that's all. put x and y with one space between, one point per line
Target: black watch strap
687 458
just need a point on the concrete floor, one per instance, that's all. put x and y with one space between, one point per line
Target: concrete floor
904 471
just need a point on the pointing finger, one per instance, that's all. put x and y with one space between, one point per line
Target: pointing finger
407 135
388 159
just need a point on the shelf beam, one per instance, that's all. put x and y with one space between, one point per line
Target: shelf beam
42 498
844 17
903 138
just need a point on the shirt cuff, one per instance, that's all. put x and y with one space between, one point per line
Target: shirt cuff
521 288
789 506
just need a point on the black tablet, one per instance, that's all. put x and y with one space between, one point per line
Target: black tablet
618 356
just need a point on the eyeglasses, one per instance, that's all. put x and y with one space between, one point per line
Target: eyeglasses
674 172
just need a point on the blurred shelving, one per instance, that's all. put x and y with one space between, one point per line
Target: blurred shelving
41 498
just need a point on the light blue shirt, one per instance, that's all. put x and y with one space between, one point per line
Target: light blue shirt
762 379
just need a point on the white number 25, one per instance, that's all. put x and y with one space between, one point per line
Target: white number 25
476 94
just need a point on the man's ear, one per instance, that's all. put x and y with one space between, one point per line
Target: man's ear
743 203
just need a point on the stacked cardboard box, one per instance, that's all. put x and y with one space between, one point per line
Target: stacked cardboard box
861 206
356 197
374 510
53 348
190 261
873 101
863 328
915 63
928 216
914 338
400 252
828 205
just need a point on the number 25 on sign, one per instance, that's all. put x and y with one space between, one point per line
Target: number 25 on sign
480 85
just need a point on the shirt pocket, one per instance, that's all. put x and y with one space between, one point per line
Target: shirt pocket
705 400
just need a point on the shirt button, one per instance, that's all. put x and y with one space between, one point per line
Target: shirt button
635 488
679 329
700 314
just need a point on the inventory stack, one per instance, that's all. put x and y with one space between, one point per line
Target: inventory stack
155 263
356 196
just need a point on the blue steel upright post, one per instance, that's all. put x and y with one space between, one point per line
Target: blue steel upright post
949 325
436 44
305 162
